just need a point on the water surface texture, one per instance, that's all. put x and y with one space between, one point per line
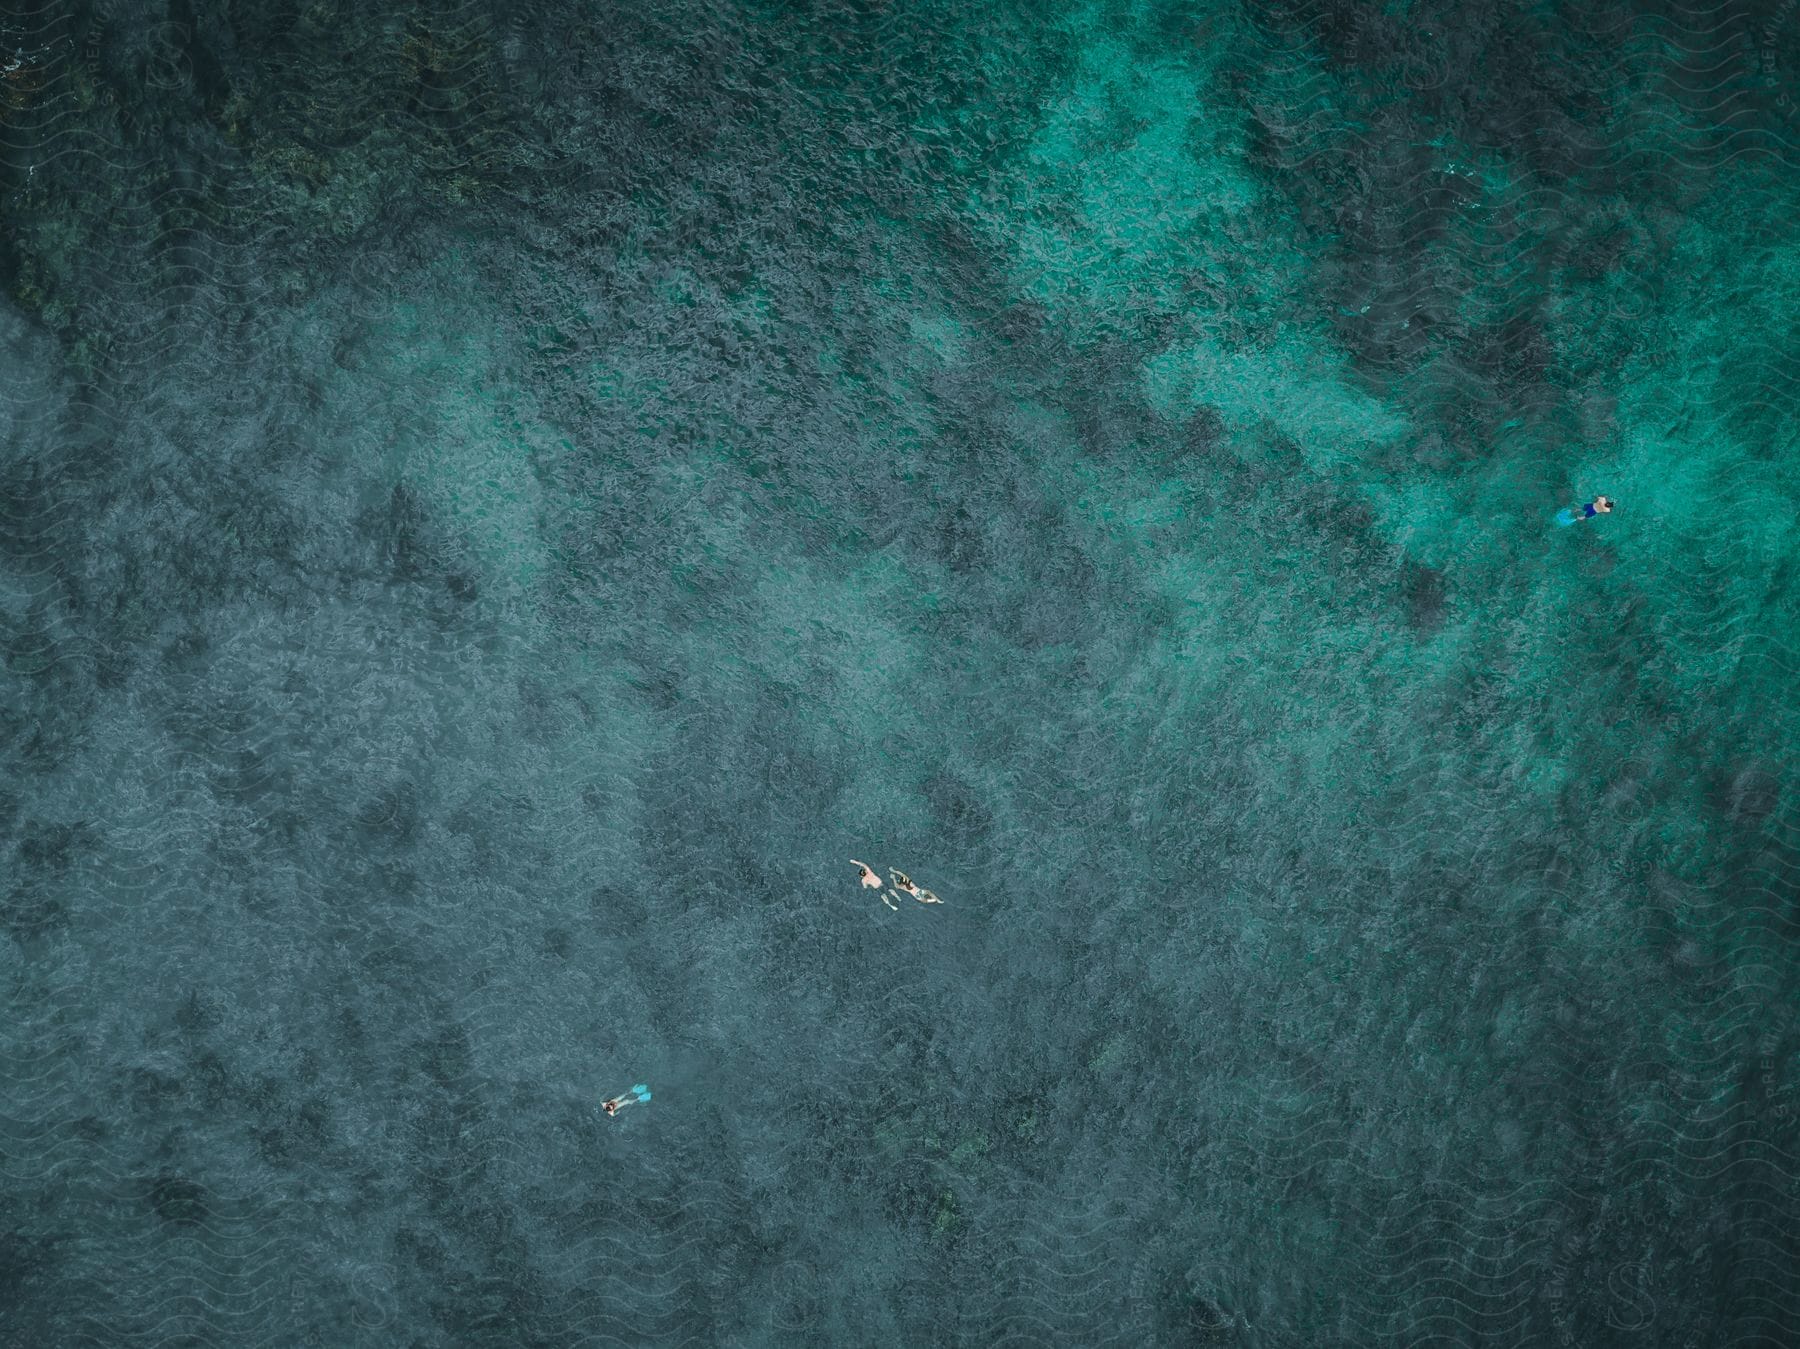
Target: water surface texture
499 502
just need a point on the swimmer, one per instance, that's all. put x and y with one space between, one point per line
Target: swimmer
1570 515
905 883
638 1093
873 882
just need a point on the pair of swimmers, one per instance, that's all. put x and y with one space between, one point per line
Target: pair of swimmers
902 882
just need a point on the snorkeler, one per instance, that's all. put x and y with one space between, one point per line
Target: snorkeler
638 1093
873 882
1570 515
904 882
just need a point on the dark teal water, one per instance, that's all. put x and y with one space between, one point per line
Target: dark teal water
498 504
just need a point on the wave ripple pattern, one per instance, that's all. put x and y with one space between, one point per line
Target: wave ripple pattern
497 502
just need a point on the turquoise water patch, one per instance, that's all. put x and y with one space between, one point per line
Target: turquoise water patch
1129 167
1289 384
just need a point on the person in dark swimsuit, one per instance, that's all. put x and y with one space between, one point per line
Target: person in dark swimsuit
905 883
1574 515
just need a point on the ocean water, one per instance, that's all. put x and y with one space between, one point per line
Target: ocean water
499 503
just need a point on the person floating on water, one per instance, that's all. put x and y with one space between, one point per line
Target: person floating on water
638 1093
905 883
868 877
1570 515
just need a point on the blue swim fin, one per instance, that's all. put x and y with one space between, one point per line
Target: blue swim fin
643 1092
1566 517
